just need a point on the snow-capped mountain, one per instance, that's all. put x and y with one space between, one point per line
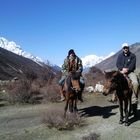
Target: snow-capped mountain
88 61
13 47
91 60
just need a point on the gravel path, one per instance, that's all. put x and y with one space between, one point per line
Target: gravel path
24 122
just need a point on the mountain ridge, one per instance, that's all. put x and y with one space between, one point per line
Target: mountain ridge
13 65
110 63
88 61
13 47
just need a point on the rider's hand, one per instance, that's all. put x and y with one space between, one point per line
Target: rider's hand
124 71
70 72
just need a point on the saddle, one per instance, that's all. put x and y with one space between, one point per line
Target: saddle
129 81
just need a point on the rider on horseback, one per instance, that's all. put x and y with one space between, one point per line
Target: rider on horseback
71 63
126 63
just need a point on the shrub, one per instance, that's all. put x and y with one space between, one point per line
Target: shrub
55 119
22 92
50 93
30 75
91 136
33 89
19 92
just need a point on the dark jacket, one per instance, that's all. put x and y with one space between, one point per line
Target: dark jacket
128 61
78 65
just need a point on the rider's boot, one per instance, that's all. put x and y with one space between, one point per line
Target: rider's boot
62 97
80 98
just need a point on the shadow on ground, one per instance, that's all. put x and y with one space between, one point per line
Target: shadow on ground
2 104
105 112
135 119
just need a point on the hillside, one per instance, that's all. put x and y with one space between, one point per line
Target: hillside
12 65
110 63
94 76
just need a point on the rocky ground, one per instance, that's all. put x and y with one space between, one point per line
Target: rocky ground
23 122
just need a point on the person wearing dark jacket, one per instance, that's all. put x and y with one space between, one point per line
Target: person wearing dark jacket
77 67
126 64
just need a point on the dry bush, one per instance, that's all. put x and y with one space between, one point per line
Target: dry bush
54 118
18 92
50 93
34 89
94 76
22 92
31 75
91 136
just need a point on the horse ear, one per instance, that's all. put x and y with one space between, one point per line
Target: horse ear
115 73
107 74
107 71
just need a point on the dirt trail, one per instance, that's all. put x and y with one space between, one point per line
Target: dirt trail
24 122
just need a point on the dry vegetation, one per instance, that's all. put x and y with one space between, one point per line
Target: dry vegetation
54 118
32 89
91 136
94 76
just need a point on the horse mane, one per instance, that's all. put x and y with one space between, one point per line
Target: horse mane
120 79
71 76
75 75
109 74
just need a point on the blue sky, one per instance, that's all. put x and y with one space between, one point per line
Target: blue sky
49 28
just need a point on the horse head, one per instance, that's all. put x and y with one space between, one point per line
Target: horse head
75 81
116 81
111 82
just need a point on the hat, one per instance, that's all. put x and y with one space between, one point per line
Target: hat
125 45
71 51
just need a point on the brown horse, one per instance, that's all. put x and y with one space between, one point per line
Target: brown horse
116 81
72 89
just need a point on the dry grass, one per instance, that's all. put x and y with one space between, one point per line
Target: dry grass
32 89
50 93
54 118
91 136
19 92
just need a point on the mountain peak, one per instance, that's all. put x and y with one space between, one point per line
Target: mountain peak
91 60
13 47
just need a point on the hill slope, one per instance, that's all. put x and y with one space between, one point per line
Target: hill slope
12 65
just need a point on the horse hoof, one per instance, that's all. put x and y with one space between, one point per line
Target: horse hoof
126 124
120 122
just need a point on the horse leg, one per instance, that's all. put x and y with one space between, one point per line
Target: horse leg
75 105
71 105
130 106
121 111
126 112
66 107
80 97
